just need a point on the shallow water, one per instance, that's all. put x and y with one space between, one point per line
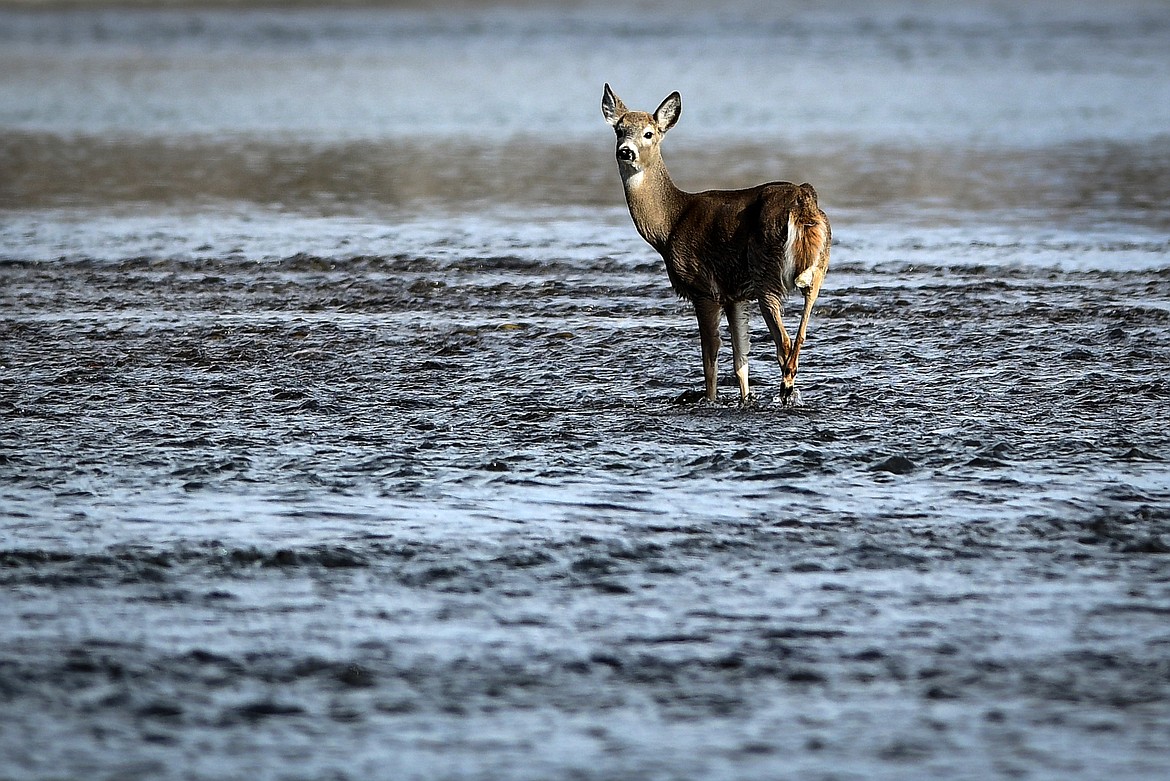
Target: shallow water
341 425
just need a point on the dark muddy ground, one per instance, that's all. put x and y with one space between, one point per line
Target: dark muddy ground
399 516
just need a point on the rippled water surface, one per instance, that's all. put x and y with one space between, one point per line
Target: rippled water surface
344 419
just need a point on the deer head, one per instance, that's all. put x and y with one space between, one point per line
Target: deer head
639 134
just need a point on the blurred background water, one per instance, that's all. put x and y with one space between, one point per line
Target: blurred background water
966 105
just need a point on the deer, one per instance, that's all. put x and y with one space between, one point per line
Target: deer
724 248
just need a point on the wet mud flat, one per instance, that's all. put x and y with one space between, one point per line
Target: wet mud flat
439 514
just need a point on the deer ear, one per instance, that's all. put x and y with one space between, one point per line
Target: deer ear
667 113
612 107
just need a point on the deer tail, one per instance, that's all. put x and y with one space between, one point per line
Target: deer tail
808 236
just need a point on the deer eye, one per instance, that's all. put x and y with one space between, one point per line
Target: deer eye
648 134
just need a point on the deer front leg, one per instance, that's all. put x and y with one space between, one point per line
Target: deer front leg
737 323
708 313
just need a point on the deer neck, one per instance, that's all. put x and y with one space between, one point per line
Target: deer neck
655 203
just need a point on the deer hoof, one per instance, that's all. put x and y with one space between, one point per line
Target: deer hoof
789 395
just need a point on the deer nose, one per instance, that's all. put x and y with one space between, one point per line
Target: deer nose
625 153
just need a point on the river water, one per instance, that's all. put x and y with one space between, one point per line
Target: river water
344 419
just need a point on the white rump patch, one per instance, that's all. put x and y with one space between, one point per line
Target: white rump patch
789 268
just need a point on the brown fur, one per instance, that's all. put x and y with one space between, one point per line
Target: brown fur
723 247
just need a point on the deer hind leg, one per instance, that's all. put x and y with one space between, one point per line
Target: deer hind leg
708 313
772 308
809 284
737 323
